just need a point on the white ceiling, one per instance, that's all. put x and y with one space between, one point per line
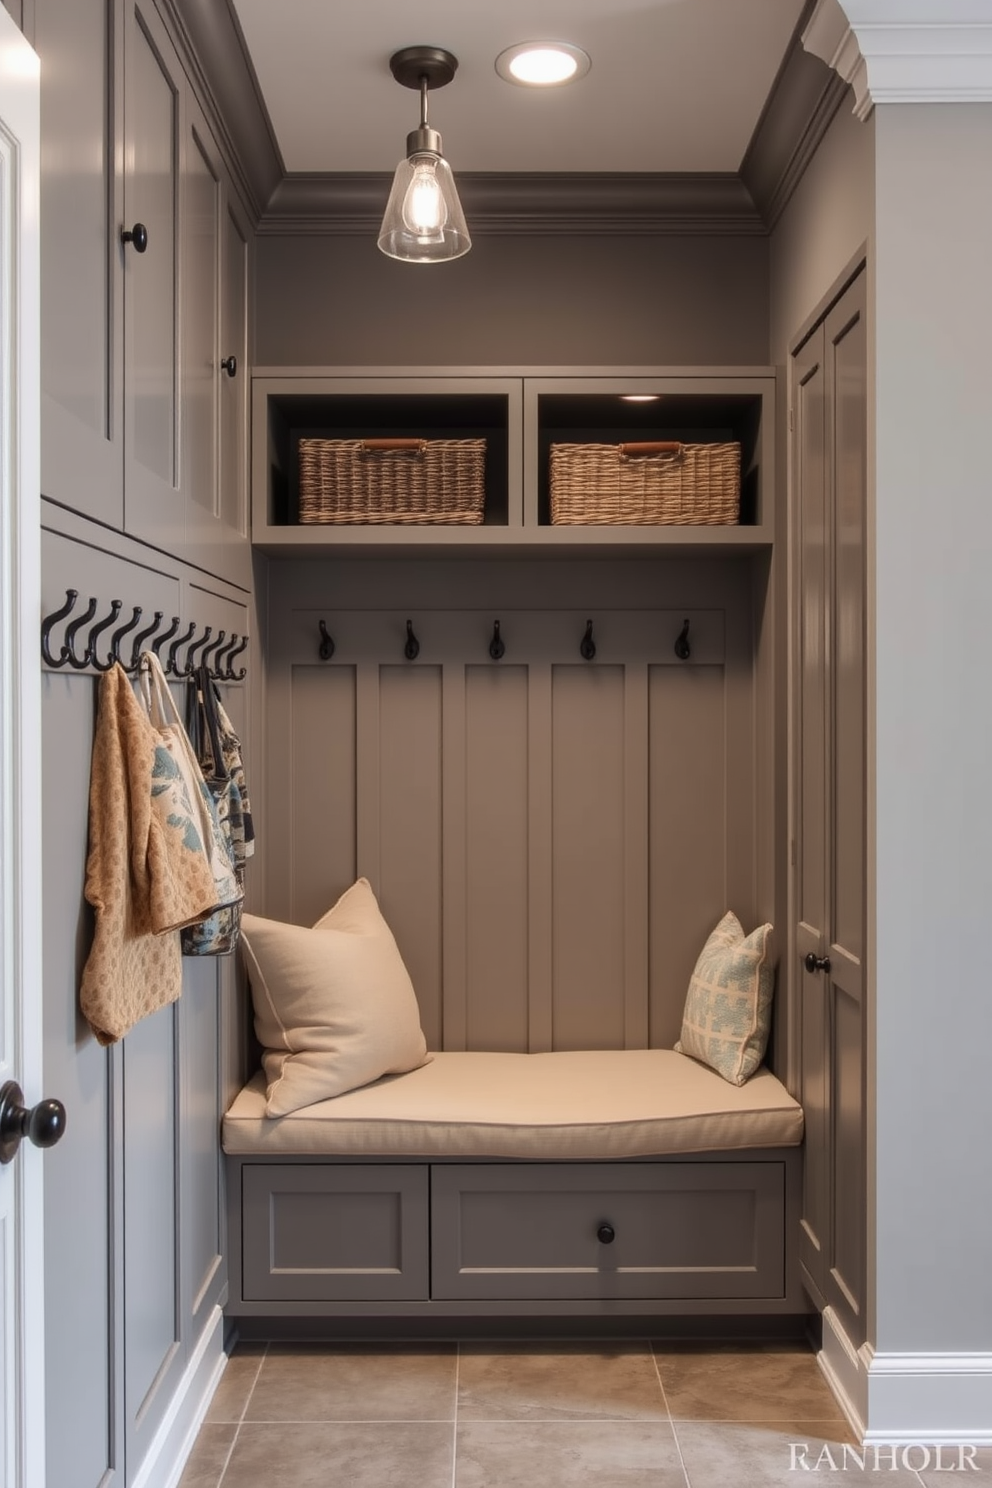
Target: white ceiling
675 85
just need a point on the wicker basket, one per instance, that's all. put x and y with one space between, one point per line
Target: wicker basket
662 482
392 480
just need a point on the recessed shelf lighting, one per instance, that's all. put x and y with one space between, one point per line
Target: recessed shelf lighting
640 397
542 64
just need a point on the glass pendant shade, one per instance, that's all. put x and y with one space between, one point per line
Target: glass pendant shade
424 221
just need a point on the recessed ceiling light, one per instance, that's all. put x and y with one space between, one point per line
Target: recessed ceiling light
639 397
542 64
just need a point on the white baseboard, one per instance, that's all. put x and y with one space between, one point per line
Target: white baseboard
173 1442
930 1398
845 1371
902 1398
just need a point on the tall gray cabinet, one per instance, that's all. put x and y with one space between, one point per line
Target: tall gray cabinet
145 276
830 413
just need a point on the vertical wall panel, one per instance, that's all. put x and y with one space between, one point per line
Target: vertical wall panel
589 851
688 847
199 1014
410 760
321 789
495 829
151 1274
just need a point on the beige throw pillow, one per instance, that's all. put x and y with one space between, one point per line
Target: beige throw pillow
334 1006
727 1013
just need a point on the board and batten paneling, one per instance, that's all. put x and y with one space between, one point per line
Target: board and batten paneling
551 838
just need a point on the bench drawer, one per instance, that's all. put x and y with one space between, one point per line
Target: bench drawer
318 1232
681 1230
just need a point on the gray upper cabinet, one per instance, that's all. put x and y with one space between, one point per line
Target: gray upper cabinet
153 106
81 45
144 279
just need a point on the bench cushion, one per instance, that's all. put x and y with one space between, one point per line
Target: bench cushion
588 1105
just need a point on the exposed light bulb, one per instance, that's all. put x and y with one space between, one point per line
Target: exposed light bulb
424 211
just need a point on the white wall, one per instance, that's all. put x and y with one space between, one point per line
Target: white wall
933 316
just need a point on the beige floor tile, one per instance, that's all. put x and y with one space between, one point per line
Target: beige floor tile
744 1384
210 1452
558 1382
780 1454
386 1454
355 1383
236 1383
566 1454
973 1465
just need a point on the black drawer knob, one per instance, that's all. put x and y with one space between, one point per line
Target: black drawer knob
138 235
606 1234
230 366
816 963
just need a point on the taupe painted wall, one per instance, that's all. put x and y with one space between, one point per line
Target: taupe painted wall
322 301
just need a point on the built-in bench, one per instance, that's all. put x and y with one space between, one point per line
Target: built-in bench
603 1183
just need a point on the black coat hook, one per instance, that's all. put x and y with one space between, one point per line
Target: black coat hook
72 630
496 647
326 644
211 653
197 645
222 658
103 666
71 595
412 648
118 636
230 675
171 667
682 650
138 644
166 635
587 646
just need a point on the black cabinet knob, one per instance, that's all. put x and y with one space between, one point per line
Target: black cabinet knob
606 1234
137 235
42 1124
230 366
816 963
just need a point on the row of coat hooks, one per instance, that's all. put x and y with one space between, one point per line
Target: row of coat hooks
497 646
81 650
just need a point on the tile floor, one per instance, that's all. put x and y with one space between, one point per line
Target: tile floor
536 1415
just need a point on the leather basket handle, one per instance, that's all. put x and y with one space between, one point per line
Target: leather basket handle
650 447
385 446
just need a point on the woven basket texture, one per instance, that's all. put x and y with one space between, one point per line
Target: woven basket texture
441 481
598 483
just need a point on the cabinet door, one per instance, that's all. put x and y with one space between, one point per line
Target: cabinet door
831 403
214 289
79 42
153 122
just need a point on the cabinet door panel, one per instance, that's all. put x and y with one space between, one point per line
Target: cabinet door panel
154 508
234 387
201 240
830 382
81 300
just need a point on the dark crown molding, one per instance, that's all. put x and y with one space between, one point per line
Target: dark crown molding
527 204
802 102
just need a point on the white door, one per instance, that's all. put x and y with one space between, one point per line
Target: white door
21 1251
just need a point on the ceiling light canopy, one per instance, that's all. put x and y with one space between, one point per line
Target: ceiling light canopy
542 64
423 221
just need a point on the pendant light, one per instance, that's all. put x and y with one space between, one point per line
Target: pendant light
424 221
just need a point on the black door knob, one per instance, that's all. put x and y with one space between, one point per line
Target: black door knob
42 1124
230 366
606 1234
138 235
816 963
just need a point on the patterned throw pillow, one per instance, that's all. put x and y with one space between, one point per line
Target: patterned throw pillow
728 1007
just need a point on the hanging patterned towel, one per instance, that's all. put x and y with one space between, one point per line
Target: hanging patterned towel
180 795
144 877
218 752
